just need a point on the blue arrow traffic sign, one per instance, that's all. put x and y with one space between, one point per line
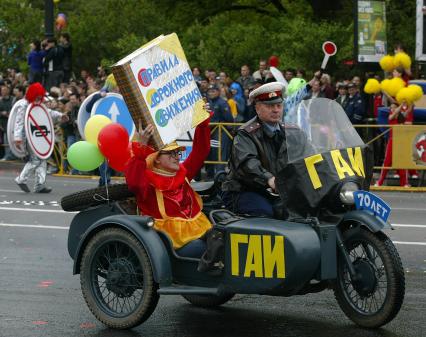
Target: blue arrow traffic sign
114 107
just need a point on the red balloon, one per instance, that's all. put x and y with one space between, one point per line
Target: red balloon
119 162
113 140
274 61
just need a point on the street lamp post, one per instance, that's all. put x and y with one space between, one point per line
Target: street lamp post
48 18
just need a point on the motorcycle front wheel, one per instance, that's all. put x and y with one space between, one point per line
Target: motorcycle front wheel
117 279
375 297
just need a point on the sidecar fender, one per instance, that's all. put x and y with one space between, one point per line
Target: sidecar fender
138 226
364 219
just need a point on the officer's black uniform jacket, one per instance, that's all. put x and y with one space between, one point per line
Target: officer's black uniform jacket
258 154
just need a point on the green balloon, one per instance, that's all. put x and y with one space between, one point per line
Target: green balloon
84 156
294 85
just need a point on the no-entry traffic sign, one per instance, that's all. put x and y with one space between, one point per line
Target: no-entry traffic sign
39 130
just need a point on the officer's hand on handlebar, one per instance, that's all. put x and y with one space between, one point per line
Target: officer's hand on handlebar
271 183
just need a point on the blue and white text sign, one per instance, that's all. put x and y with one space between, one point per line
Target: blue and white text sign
372 203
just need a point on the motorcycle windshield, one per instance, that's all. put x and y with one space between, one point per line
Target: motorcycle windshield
324 150
326 127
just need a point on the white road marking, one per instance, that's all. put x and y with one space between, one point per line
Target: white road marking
409 243
408 225
32 226
34 210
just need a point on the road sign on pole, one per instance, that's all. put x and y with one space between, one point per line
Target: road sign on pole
114 107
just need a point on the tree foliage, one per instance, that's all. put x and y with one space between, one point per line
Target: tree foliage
220 34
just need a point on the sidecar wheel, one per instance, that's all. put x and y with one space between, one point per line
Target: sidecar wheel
208 301
375 299
116 279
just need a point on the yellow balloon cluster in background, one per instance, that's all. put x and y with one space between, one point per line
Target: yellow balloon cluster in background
372 86
387 63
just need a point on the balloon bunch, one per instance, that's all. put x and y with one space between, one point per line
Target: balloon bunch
105 140
395 87
61 21
389 62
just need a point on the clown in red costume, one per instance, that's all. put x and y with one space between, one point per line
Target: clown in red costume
162 188
35 94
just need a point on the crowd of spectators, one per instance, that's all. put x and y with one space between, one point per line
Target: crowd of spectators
50 62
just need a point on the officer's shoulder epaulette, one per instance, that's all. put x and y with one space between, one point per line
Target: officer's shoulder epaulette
252 127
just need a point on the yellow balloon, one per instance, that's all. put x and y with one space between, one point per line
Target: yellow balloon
385 85
387 63
395 85
416 91
402 60
93 126
404 95
372 86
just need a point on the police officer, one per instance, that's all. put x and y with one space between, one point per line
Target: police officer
258 153
355 108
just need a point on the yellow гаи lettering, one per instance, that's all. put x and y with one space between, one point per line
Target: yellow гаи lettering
236 239
356 161
254 261
313 174
341 165
273 256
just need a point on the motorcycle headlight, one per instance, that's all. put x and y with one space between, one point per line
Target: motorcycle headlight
347 193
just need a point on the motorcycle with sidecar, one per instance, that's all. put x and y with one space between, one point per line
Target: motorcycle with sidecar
333 239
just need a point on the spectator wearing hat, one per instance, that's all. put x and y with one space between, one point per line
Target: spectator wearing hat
258 153
355 109
221 113
342 97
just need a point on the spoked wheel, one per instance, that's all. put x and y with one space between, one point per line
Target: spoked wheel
116 279
375 297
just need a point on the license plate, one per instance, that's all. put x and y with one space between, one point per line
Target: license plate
372 203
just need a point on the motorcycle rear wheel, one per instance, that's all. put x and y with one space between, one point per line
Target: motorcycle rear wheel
117 279
376 298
